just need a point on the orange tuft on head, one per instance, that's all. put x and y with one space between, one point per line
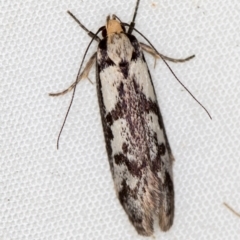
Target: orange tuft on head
113 26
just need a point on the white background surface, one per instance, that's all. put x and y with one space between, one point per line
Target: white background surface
69 193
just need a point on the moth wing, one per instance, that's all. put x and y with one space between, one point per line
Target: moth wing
136 142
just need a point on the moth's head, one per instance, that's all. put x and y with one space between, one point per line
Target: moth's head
113 26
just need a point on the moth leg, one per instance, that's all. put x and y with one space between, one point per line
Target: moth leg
83 74
231 209
156 55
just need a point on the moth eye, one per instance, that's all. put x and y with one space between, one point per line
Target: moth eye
123 28
104 33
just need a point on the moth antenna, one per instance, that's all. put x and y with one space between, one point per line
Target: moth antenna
173 72
91 34
74 89
132 24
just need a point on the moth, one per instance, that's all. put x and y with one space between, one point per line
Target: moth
138 149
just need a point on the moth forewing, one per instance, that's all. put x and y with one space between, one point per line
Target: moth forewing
138 150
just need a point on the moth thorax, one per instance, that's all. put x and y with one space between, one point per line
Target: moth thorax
113 26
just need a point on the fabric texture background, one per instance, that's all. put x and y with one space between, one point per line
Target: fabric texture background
68 193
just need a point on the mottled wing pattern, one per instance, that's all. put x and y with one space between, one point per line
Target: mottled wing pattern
139 153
